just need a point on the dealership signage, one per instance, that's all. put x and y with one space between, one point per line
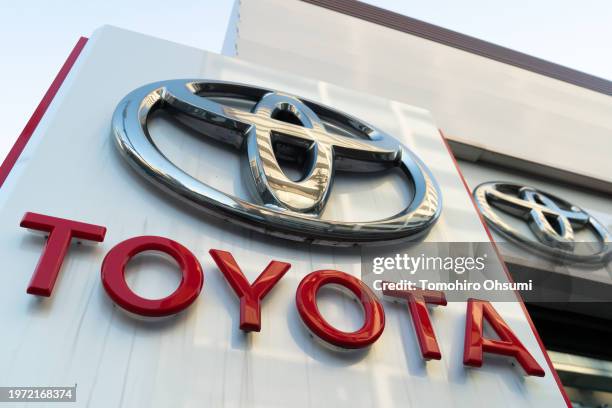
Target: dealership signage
62 231
265 196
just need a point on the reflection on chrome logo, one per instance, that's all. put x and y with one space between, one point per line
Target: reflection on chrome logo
551 219
276 126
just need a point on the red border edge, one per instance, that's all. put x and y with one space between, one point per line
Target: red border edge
30 127
518 296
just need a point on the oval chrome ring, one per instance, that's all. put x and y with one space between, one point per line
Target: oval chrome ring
129 124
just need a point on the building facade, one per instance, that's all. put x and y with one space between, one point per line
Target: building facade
507 116
291 167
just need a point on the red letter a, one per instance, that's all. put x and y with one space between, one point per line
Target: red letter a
508 345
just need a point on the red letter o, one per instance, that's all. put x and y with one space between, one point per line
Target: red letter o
306 301
113 277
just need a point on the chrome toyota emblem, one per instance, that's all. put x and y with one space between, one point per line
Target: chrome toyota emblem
276 124
552 220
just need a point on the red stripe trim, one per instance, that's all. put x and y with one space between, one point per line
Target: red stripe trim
518 296
30 127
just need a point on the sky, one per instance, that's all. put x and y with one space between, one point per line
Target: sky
36 36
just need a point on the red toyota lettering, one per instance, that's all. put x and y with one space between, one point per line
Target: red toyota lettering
250 295
508 345
113 277
306 301
61 231
417 306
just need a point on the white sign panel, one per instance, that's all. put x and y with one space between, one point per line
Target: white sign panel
75 330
